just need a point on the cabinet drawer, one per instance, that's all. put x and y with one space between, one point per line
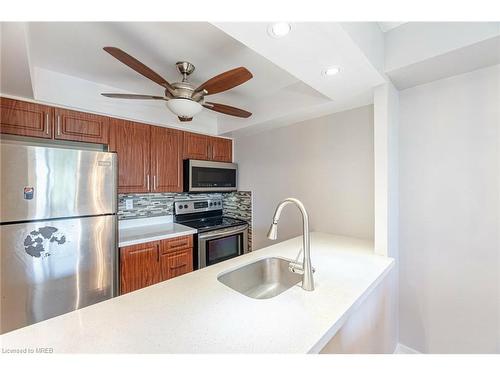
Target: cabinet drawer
176 263
177 243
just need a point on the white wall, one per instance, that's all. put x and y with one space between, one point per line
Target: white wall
326 162
386 123
386 192
449 214
15 73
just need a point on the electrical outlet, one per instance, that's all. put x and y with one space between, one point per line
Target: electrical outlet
129 204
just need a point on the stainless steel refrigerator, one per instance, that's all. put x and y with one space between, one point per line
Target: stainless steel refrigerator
58 231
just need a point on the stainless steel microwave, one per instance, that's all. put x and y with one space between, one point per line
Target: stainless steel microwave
204 176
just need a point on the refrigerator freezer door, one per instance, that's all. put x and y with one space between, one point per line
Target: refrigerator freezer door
52 267
46 183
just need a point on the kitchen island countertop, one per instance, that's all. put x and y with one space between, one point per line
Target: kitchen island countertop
195 313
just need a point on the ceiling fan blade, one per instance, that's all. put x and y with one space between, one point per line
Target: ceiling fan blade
139 67
226 81
227 109
133 96
184 119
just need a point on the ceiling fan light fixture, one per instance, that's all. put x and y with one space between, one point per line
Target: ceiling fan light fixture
279 29
184 107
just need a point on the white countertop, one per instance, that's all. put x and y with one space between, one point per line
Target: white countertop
135 231
195 313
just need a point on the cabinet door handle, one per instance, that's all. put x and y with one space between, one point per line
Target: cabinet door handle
157 252
177 266
58 125
154 182
181 243
47 123
147 181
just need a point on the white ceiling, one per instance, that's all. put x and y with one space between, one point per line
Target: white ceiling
306 52
387 26
287 83
63 63
421 52
76 49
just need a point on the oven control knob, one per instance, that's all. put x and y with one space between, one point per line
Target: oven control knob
219 203
211 204
185 206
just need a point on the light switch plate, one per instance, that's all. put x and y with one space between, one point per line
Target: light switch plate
129 204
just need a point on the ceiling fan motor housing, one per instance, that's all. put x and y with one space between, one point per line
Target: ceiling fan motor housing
183 90
185 68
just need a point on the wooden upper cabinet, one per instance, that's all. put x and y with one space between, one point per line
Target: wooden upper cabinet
166 159
131 141
196 146
24 118
221 149
80 126
139 266
203 147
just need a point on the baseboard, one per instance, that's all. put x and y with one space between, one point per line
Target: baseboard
403 349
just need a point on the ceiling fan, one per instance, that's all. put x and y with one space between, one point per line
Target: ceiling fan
182 98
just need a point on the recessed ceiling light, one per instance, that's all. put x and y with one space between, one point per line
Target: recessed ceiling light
331 71
279 29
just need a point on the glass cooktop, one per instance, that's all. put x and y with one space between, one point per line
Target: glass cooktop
213 223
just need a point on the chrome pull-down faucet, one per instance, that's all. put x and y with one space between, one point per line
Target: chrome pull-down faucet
306 268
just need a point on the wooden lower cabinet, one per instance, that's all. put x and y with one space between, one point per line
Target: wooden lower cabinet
139 266
176 263
148 263
176 257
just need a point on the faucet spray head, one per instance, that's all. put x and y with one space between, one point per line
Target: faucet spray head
272 234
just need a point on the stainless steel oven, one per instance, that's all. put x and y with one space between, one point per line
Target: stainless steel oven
203 176
218 237
222 244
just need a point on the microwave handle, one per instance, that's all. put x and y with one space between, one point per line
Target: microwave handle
222 232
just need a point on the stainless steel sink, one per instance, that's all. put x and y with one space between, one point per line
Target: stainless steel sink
262 279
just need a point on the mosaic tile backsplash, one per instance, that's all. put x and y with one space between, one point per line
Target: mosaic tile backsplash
235 204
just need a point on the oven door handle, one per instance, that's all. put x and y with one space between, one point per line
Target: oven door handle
222 232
